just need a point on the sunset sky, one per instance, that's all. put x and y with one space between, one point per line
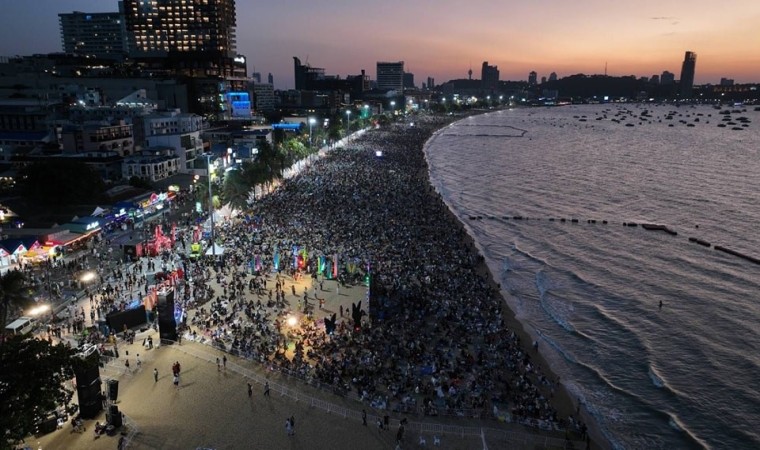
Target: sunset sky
443 38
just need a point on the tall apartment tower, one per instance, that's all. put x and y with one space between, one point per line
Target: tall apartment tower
686 84
489 76
100 34
163 27
532 78
390 75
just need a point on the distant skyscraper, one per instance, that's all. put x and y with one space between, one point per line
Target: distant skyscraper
553 76
160 27
430 83
667 78
543 80
99 34
270 79
256 76
686 83
655 79
489 76
726 82
408 80
532 78
390 75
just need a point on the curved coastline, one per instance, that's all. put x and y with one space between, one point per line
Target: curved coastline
562 401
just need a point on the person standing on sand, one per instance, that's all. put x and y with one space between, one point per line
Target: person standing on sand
155 375
250 390
176 381
266 389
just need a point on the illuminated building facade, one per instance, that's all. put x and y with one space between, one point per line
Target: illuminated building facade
98 34
193 39
161 27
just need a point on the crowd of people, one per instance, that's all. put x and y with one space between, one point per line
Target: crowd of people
431 337
437 342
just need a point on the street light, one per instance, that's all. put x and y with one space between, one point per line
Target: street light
211 206
348 126
393 107
312 121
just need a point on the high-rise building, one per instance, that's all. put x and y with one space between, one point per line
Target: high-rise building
390 75
667 78
162 27
686 83
189 38
270 78
655 79
263 95
408 80
532 78
726 82
430 83
489 76
99 34
553 76
543 80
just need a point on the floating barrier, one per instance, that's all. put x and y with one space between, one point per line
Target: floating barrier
657 227
737 254
700 242
574 220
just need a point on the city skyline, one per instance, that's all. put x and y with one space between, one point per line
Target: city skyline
444 42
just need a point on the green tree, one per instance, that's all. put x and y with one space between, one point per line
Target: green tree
236 188
61 182
32 376
14 294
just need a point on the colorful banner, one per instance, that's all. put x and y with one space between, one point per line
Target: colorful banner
321 265
276 258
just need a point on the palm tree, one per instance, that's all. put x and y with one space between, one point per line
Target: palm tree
13 294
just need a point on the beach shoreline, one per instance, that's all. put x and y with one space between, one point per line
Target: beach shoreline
562 399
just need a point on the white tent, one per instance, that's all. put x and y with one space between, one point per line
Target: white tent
216 249
98 211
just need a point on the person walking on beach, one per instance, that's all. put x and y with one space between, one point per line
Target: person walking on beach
250 390
155 375
266 389
364 417
218 365
126 365
176 381
224 361
289 427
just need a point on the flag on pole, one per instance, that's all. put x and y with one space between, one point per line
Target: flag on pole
335 266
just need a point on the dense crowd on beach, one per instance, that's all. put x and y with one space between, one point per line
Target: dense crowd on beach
442 346
436 342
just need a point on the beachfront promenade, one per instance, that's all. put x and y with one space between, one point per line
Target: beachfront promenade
445 347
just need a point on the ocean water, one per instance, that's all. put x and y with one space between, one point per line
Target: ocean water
684 376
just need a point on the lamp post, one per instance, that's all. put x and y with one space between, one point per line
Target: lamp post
211 207
393 107
312 121
348 126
